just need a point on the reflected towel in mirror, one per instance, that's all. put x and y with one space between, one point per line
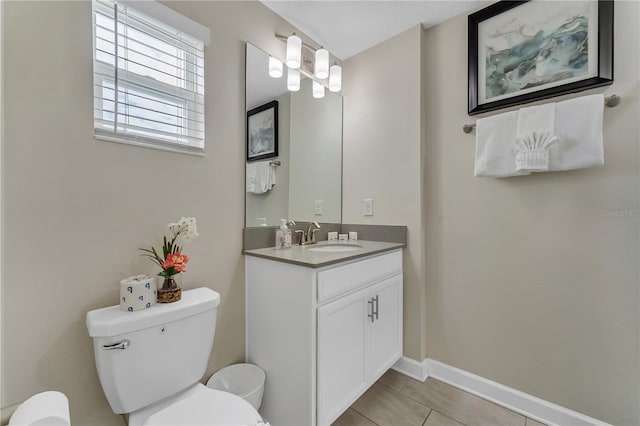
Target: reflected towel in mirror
261 177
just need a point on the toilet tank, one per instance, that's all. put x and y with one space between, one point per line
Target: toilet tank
145 356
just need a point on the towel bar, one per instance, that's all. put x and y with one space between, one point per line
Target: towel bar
609 101
275 163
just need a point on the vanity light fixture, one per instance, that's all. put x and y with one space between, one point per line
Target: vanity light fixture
275 67
312 66
335 78
318 90
322 63
294 51
293 80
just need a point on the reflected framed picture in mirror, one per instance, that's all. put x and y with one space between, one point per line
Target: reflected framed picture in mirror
262 132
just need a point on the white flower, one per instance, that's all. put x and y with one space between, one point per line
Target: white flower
184 230
189 229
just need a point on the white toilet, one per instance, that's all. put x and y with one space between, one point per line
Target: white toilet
150 363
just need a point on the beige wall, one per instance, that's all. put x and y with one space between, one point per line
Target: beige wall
382 131
529 282
76 209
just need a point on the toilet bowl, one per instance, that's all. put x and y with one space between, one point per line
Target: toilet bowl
150 363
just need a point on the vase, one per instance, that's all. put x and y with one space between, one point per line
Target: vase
170 289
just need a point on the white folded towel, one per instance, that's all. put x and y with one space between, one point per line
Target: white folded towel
536 119
261 177
558 136
534 137
495 155
251 177
579 126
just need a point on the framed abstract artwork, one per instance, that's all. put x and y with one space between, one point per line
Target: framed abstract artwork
522 51
262 132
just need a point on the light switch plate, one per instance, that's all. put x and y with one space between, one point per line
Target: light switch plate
317 210
367 207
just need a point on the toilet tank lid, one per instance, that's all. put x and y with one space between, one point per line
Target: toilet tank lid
111 321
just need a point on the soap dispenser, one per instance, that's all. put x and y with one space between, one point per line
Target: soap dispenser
283 235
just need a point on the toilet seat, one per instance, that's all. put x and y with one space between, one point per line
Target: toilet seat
206 407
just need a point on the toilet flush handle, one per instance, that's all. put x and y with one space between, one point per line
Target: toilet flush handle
121 345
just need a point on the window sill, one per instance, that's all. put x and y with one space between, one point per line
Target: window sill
198 152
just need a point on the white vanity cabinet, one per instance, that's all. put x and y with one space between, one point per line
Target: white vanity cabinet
359 338
322 335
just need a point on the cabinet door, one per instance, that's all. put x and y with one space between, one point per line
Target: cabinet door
385 341
341 347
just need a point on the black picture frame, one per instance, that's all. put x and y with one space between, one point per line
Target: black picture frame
604 61
262 132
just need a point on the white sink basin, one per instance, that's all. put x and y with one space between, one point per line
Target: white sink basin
335 248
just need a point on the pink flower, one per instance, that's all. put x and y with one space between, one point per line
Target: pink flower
177 261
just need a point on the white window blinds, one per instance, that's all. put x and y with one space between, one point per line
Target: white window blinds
148 79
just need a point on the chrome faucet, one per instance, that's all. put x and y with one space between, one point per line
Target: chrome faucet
308 237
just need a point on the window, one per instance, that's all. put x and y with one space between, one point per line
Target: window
148 76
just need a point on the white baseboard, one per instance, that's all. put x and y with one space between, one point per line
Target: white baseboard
515 400
414 369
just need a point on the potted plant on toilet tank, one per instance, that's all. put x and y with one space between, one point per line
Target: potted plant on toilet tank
173 261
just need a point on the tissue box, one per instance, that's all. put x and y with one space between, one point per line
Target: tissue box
137 293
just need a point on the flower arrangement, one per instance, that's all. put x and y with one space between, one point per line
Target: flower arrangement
173 261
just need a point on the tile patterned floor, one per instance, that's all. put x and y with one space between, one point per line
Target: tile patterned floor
397 400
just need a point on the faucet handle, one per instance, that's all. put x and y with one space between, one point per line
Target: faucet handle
311 232
312 237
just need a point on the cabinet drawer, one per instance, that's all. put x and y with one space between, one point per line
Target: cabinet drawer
341 279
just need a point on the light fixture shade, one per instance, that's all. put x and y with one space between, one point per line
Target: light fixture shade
275 67
318 90
294 51
293 80
322 64
335 78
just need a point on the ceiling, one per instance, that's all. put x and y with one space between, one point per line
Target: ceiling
348 27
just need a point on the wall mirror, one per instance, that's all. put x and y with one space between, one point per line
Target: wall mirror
308 174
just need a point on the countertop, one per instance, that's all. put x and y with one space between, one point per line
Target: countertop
301 255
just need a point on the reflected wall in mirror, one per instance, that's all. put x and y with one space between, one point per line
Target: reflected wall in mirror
309 175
